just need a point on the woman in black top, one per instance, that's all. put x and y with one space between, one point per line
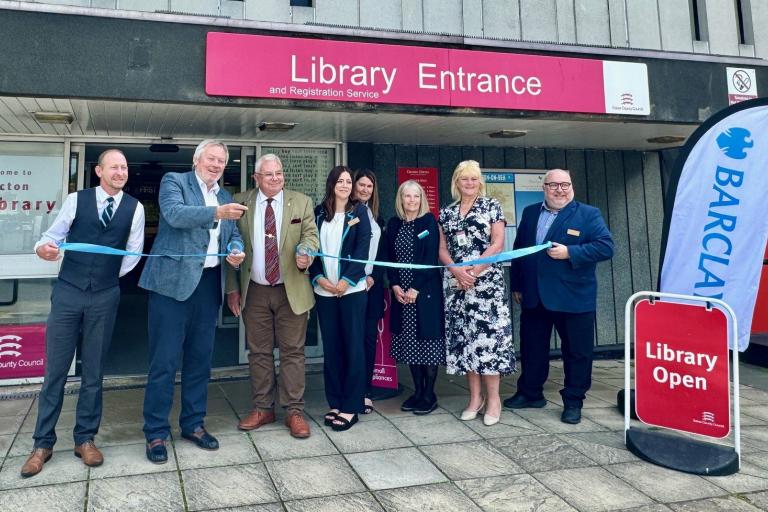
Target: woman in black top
416 319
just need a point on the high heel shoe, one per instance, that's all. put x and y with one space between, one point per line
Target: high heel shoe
470 414
489 420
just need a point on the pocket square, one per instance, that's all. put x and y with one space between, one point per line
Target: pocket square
353 221
295 221
573 232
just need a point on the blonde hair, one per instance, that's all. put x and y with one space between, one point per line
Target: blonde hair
423 206
466 168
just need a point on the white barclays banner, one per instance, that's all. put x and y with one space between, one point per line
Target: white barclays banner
716 234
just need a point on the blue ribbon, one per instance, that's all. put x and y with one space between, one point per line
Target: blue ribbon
102 249
496 258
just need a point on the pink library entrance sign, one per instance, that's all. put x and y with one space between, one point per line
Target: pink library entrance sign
313 69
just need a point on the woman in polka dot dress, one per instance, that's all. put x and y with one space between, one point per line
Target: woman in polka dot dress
416 319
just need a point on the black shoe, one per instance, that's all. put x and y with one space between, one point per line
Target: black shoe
521 402
202 439
156 451
425 406
341 423
410 403
571 415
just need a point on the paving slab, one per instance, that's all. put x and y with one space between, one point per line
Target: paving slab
475 459
62 497
756 411
754 437
728 504
604 448
267 507
313 477
509 425
759 396
608 417
140 493
278 444
658 507
65 423
368 436
233 449
391 408
541 453
751 477
606 492
20 407
664 485
63 467
548 419
514 493
111 434
394 468
23 444
426 498
441 428
130 459
362 502
232 486
10 424
758 499
5 443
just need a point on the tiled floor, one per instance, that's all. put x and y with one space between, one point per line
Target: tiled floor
390 461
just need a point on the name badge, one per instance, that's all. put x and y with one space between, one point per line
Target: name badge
573 232
423 234
461 239
353 221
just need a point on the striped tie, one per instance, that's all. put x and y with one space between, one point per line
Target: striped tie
271 257
106 215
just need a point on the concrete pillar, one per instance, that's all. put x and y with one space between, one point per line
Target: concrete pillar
675 24
267 10
501 18
337 12
643 22
538 20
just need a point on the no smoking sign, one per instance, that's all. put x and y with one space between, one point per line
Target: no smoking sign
742 84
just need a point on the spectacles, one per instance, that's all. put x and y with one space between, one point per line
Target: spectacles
270 175
553 185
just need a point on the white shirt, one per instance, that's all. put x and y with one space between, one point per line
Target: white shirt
330 242
258 272
375 236
59 230
213 241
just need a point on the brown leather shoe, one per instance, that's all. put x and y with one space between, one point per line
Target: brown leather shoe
89 453
298 425
35 462
256 419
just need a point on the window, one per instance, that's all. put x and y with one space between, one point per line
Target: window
301 3
744 19
699 20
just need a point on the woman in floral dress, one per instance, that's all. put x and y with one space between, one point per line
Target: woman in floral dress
478 328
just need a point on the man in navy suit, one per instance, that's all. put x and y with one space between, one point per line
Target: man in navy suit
558 288
197 217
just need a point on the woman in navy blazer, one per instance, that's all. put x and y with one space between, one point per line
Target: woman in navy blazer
345 231
367 192
416 318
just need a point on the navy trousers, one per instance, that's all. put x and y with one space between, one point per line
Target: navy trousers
74 311
181 332
342 322
577 335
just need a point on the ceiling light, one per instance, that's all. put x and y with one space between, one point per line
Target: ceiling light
164 148
53 117
666 139
507 134
270 126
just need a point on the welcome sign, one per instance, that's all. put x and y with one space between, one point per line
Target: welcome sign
309 69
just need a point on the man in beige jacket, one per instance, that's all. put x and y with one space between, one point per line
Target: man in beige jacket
273 294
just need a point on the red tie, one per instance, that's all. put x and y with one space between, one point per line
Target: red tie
271 257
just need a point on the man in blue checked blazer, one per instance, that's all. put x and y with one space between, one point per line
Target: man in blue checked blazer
198 219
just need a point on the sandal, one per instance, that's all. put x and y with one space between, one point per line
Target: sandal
341 424
330 416
368 408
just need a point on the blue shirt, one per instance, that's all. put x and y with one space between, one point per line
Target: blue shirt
546 218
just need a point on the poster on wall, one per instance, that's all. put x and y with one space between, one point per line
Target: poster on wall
305 169
30 193
385 367
22 351
429 179
514 189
